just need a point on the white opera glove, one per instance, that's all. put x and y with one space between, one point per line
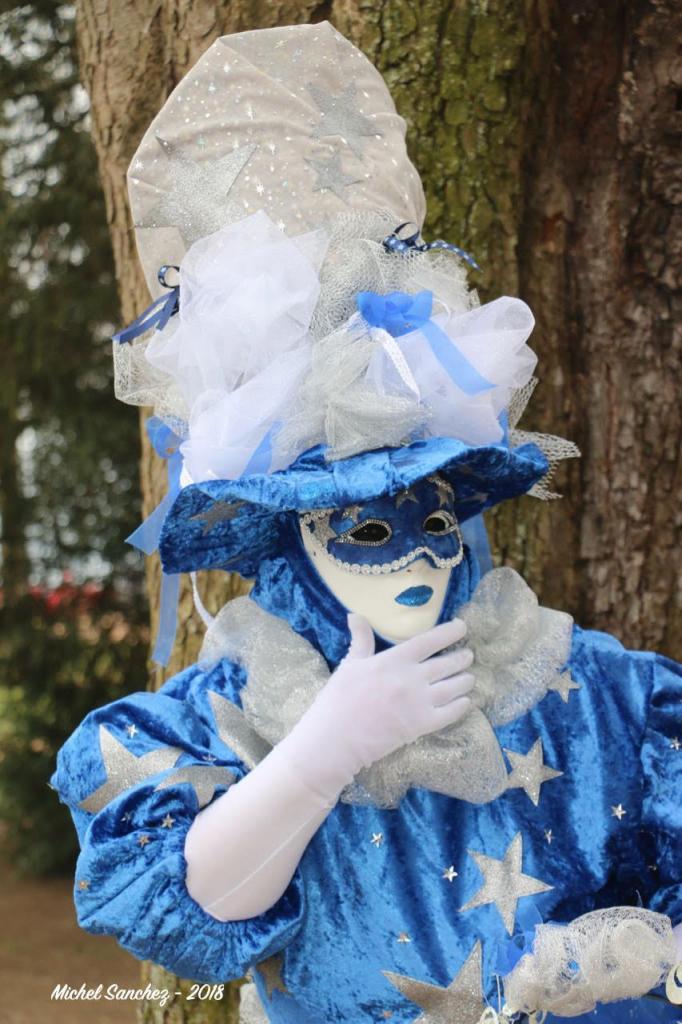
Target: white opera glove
375 703
243 849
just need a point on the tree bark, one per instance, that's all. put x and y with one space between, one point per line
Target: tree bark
545 135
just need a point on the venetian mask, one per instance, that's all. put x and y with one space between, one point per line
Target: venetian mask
391 558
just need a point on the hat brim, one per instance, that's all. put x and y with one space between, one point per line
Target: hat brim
204 530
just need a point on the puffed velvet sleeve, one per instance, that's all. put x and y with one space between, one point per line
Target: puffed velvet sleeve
662 771
135 774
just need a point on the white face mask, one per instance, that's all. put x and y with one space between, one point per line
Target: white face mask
398 605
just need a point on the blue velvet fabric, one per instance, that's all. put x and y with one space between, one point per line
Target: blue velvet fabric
337 925
192 540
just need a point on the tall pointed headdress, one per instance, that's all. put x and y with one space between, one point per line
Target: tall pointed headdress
313 351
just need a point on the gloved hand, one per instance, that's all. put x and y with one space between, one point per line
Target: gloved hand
243 849
375 703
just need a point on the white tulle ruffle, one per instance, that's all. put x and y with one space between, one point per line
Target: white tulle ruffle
250 374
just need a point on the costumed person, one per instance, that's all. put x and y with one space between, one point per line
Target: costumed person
394 787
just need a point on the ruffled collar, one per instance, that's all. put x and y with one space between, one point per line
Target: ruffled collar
520 649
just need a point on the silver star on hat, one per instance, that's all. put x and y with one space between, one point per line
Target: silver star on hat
330 176
198 201
340 116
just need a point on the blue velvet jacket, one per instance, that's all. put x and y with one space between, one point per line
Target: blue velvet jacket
381 890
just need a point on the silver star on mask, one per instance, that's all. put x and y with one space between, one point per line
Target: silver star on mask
460 1002
218 512
124 769
330 176
504 883
323 532
236 732
529 772
406 495
563 685
198 201
203 780
352 512
340 116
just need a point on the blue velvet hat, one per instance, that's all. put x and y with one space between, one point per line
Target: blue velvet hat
234 524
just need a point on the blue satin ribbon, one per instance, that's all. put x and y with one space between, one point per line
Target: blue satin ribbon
157 315
262 457
398 313
394 243
146 536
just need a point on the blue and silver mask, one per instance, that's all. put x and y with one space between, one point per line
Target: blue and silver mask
388 533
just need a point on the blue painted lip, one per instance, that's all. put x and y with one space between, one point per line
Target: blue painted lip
415 595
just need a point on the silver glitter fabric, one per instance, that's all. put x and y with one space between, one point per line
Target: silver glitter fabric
341 115
248 94
250 1007
204 779
521 648
285 673
516 645
529 771
235 731
197 201
601 957
504 883
461 1001
125 769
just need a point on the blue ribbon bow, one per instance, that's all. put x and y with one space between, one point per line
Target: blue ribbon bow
394 243
158 314
146 536
399 313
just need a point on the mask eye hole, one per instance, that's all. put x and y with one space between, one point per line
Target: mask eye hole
439 523
370 533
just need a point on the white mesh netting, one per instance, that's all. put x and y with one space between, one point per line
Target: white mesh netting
601 957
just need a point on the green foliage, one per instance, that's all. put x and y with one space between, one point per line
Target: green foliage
68 450
62 652
78 493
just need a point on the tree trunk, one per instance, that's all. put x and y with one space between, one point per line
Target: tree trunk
544 133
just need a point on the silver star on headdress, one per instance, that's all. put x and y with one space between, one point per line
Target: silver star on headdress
218 512
529 772
504 883
198 201
124 769
330 176
461 1001
204 780
236 732
340 116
